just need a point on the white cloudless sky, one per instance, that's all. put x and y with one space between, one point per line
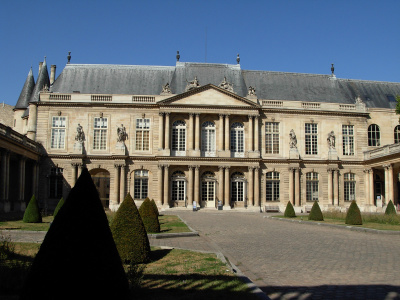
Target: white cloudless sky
361 37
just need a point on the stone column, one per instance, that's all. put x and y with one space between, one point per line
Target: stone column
221 184
227 135
336 187
80 167
73 174
297 186
196 185
116 186
32 121
221 133
251 186
122 184
191 132
257 186
366 180
227 201
291 190
197 132
161 130
371 187
250 134
167 131
160 185
387 192
391 188
22 161
256 134
330 198
35 178
190 187
166 185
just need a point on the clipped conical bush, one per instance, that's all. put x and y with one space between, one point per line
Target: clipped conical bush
78 257
316 213
390 209
155 207
353 216
129 233
59 205
289 211
149 216
32 212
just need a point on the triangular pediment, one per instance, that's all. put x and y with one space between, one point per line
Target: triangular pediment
209 95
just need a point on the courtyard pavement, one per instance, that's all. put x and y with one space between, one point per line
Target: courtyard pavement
297 261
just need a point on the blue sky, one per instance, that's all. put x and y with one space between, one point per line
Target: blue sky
360 37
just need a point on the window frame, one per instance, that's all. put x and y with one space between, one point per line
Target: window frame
56 183
178 138
349 180
140 184
208 139
396 133
272 135
348 140
312 186
178 186
374 135
311 138
272 193
142 134
237 139
100 134
58 129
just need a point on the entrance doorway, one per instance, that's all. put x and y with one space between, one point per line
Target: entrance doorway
101 179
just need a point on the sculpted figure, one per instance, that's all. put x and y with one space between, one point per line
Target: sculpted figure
79 133
252 91
121 132
331 139
226 85
192 84
293 139
166 89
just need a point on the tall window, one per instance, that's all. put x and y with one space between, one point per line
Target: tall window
141 184
208 139
397 134
272 191
237 187
272 137
311 138
58 126
179 138
56 183
100 133
349 187
348 139
208 187
237 139
374 135
178 186
312 186
142 134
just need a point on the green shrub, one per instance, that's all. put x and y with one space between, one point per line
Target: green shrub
149 216
78 257
316 213
59 205
289 211
390 209
32 212
353 216
155 207
129 233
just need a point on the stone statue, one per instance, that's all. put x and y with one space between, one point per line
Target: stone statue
251 92
226 85
293 140
80 136
331 140
122 135
166 89
192 84
358 100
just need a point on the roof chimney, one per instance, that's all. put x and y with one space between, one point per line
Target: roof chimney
52 74
40 66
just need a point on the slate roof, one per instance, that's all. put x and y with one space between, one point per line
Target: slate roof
43 79
148 80
25 96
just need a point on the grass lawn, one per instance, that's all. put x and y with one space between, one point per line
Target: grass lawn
171 274
20 225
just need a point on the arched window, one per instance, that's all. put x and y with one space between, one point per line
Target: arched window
237 187
208 139
179 138
272 186
208 187
349 187
237 139
374 135
312 186
141 181
397 134
178 181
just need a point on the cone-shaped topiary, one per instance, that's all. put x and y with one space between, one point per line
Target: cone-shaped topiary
289 211
353 216
78 257
316 213
149 216
32 212
390 209
129 233
59 205
155 207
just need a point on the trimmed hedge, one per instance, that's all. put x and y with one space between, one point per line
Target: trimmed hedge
149 216
316 213
59 205
78 257
155 207
130 234
289 211
390 209
32 212
353 216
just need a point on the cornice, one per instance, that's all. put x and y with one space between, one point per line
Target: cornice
315 112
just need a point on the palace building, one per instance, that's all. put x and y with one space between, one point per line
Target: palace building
216 134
